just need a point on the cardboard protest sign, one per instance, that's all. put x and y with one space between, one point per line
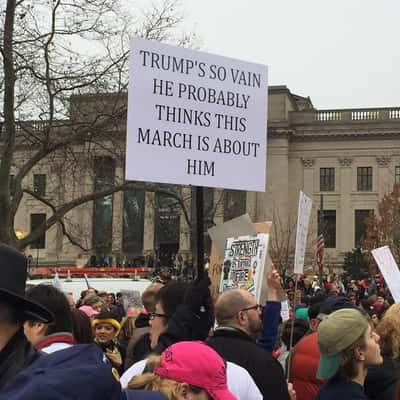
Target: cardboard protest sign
235 227
389 269
201 115
303 220
244 263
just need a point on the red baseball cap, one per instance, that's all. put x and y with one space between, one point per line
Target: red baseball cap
197 364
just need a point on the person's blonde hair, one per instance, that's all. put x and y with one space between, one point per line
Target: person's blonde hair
150 381
127 328
389 331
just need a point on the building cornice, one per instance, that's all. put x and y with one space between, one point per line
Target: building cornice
343 135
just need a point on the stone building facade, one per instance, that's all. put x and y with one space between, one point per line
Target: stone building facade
351 157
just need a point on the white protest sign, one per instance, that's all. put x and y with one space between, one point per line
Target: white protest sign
285 313
389 269
195 118
303 220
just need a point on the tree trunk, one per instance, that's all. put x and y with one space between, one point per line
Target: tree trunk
6 218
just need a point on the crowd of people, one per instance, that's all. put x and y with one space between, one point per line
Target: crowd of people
340 340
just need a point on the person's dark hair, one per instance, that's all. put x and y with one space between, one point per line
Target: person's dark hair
85 292
56 302
81 327
92 300
10 314
313 310
107 315
300 328
365 304
305 300
318 298
171 296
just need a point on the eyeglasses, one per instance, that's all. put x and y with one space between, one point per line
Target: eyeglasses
257 307
153 315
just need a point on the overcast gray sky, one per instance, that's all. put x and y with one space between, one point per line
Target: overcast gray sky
341 53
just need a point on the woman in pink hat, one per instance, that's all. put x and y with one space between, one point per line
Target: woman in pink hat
184 371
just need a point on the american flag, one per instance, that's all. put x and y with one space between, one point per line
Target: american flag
320 250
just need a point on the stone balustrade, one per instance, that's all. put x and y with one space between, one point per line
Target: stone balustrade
346 116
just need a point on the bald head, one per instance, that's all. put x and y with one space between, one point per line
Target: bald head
229 304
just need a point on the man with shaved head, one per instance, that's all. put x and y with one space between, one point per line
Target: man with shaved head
240 322
229 312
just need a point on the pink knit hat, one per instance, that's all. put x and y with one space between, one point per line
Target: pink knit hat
89 311
197 364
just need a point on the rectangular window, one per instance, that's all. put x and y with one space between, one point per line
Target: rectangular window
327 218
364 179
104 173
397 174
327 179
360 225
39 184
36 221
133 222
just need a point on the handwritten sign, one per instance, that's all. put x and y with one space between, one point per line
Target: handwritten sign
389 269
303 220
244 263
202 115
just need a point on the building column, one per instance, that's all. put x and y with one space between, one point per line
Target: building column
149 223
308 176
251 205
117 216
218 206
383 185
85 213
345 219
275 200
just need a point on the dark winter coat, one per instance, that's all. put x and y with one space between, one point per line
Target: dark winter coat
381 381
79 372
338 389
131 394
17 355
236 346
